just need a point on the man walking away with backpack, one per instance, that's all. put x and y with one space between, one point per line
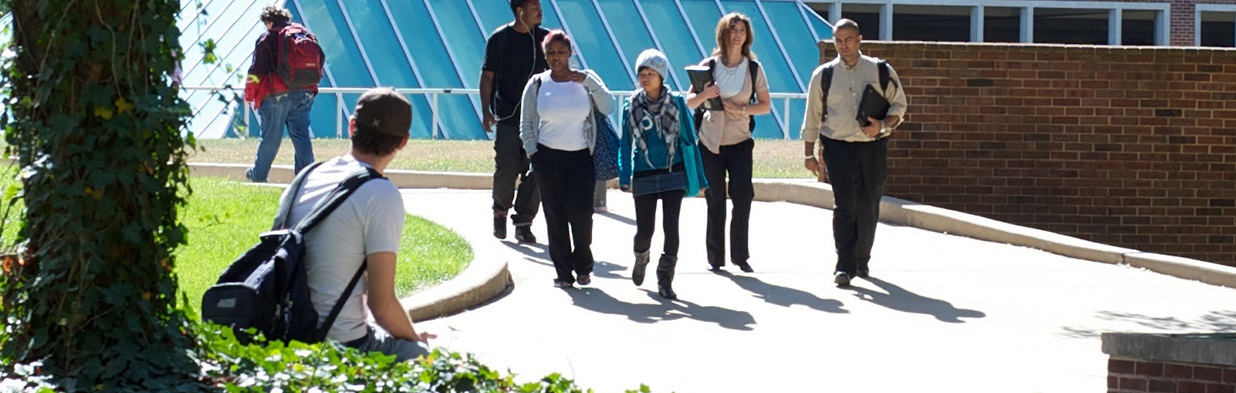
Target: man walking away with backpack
855 151
512 55
365 229
282 83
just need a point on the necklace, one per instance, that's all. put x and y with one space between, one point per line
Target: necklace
729 71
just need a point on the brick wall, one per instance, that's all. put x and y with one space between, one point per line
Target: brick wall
1134 147
1126 376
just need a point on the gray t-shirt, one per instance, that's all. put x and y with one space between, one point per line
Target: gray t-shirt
369 221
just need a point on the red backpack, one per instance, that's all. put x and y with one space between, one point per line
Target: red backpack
300 57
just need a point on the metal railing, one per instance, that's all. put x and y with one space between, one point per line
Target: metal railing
435 93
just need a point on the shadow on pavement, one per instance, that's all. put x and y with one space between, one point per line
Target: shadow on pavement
539 253
1214 321
783 296
898 298
535 252
595 299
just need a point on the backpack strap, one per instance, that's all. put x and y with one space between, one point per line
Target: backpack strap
285 204
753 67
885 78
338 307
336 197
826 83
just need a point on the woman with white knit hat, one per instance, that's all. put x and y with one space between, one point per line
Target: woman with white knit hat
658 161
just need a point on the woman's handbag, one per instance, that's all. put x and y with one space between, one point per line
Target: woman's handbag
605 153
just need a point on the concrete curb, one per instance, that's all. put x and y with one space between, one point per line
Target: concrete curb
487 276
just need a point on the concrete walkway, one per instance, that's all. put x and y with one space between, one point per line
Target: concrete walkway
940 313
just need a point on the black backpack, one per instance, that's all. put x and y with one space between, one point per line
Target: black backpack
266 288
826 82
753 68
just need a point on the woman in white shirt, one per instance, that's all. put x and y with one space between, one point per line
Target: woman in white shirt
725 137
559 133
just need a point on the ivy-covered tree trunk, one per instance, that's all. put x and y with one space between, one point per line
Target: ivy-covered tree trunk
96 127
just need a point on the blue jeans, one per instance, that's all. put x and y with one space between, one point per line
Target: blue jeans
290 109
378 340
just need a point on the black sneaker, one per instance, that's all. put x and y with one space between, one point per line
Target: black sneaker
841 279
715 268
500 227
524 234
863 272
745 267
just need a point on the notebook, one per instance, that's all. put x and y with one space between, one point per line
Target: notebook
700 77
871 105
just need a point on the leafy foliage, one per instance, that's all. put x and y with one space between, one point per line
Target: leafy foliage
331 367
95 125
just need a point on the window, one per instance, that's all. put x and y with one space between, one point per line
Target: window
1217 28
1137 27
1070 26
931 23
1001 24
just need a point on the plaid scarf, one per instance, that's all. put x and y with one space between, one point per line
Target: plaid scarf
661 115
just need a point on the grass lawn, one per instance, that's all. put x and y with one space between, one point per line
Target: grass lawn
225 217
773 158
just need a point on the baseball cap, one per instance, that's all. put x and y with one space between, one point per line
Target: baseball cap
384 110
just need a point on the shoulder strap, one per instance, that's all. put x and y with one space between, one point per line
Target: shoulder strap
753 67
285 204
338 307
826 83
336 197
885 78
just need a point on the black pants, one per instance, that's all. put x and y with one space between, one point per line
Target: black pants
566 181
736 160
857 171
646 219
510 165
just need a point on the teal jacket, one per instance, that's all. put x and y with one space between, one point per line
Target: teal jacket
631 160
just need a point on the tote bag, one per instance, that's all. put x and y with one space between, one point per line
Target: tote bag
605 153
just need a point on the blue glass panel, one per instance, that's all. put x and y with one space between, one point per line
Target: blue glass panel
493 13
798 107
821 27
776 67
551 20
459 118
467 43
703 15
594 43
630 32
799 43
675 39
342 55
464 36
387 57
